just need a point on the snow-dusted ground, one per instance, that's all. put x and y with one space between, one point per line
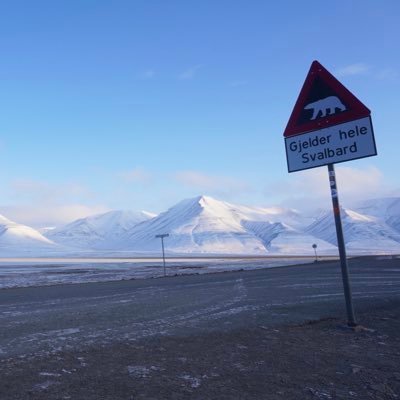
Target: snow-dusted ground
43 272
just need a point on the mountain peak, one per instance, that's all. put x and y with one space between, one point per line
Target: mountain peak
208 201
98 231
355 216
17 238
203 200
205 225
4 220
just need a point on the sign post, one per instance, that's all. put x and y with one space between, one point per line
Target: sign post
162 236
329 125
342 247
314 246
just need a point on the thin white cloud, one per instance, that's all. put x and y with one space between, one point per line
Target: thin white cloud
190 73
138 175
39 203
387 73
310 189
23 186
210 183
353 69
27 190
40 216
147 74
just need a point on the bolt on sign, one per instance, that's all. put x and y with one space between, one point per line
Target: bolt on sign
328 124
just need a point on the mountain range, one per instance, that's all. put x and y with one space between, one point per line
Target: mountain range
21 240
99 231
206 226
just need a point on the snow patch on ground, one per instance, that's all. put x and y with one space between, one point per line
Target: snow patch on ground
139 371
45 272
191 380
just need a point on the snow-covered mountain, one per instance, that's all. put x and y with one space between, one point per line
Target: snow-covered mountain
280 238
17 239
203 225
101 231
362 233
386 209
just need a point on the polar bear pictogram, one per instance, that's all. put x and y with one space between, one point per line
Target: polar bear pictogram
326 106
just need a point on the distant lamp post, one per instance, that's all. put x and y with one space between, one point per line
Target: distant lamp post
162 236
314 246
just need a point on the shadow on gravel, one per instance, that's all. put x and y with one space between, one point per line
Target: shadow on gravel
313 360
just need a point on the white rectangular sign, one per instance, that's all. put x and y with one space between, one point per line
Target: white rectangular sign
343 142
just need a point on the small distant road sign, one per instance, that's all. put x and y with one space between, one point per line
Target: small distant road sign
328 124
162 236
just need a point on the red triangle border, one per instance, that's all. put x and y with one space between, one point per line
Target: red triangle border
357 108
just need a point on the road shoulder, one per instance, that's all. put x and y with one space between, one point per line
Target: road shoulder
315 360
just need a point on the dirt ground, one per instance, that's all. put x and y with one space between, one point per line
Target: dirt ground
316 360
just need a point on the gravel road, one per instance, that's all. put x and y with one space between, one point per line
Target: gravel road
236 335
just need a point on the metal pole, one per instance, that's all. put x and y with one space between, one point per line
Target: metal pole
314 246
162 236
351 321
163 255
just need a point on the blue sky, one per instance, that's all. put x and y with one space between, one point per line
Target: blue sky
139 104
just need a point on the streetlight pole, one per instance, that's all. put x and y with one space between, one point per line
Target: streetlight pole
162 236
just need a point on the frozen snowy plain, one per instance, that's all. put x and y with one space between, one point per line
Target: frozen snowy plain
44 272
205 235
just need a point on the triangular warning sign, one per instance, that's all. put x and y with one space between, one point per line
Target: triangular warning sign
323 101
